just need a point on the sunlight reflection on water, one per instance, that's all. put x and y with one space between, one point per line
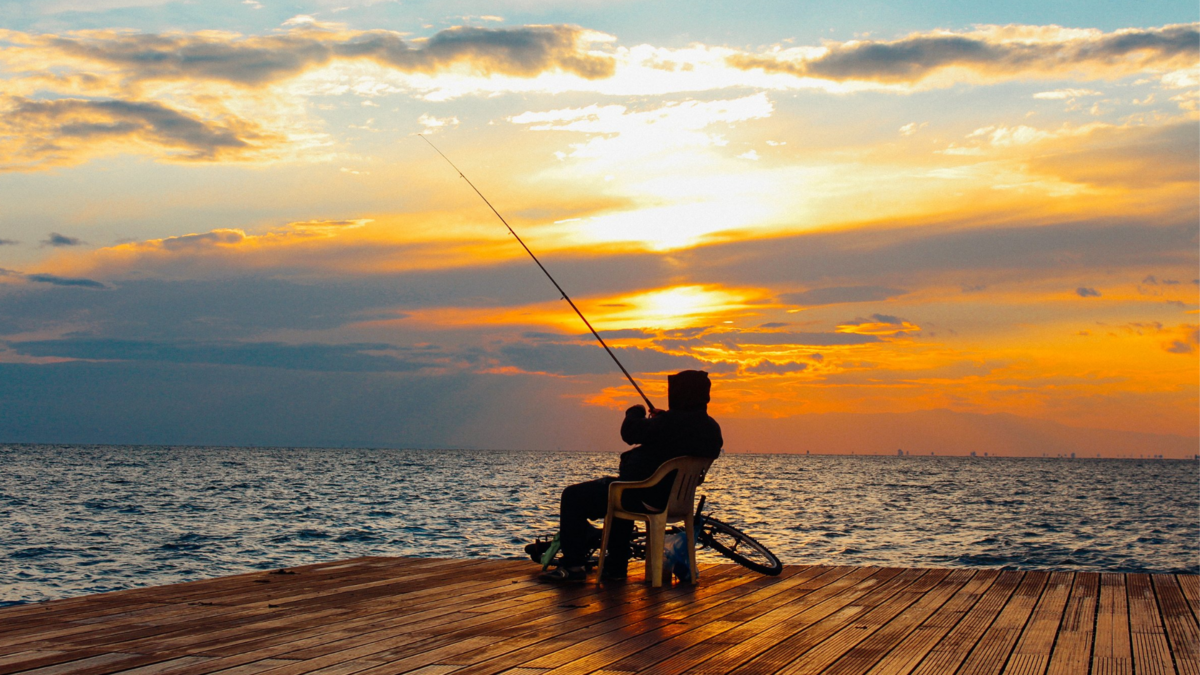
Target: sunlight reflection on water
86 519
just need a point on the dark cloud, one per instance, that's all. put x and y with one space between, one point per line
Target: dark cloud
937 251
167 403
193 241
64 281
522 51
525 51
572 359
771 368
619 334
203 310
775 324
685 333
8 242
841 294
1189 344
61 130
918 56
794 338
56 239
888 319
238 307
317 357
1085 292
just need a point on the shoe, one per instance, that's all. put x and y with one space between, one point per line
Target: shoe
536 549
614 573
682 573
560 575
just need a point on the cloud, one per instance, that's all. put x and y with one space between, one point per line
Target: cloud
159 402
878 324
61 281
1061 94
771 368
840 294
315 357
990 52
56 239
806 339
1085 292
1128 156
8 242
524 51
433 124
37 133
1042 251
1187 343
572 359
624 134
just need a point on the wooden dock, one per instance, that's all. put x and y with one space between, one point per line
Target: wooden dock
375 616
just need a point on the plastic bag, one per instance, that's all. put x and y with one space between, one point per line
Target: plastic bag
675 556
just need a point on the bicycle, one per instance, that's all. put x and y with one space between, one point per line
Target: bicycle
712 533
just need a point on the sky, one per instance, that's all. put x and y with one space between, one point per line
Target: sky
935 227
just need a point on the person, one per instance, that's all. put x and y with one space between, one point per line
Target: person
683 429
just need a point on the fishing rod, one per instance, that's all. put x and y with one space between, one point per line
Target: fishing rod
649 405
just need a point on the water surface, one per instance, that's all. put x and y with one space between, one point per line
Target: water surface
86 519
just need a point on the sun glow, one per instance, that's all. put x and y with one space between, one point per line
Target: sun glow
663 309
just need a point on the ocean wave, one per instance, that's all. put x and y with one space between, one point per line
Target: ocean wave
90 518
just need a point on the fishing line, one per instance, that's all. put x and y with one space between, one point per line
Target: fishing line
587 323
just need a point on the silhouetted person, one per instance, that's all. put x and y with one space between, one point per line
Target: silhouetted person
684 429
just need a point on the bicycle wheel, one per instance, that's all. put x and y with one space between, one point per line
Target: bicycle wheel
738 546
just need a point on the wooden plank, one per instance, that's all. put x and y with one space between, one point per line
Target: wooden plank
957 645
481 617
697 622
1073 649
1151 651
910 651
615 625
188 632
827 620
862 627
1113 650
1190 584
447 635
1031 656
537 639
762 592
991 653
863 657
759 634
1182 632
105 662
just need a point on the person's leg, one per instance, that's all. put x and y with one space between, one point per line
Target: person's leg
617 561
579 503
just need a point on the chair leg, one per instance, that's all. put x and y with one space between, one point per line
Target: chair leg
656 530
603 546
690 527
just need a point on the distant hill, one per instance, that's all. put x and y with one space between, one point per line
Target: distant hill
944 432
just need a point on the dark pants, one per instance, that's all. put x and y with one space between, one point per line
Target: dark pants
584 501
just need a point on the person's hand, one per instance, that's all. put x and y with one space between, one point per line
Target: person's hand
655 412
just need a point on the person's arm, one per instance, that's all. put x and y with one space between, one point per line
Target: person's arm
638 428
634 426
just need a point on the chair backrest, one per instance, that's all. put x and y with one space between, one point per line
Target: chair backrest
690 473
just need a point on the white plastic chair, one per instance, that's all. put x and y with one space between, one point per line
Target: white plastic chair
680 507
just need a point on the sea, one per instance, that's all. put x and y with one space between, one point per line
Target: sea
78 519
